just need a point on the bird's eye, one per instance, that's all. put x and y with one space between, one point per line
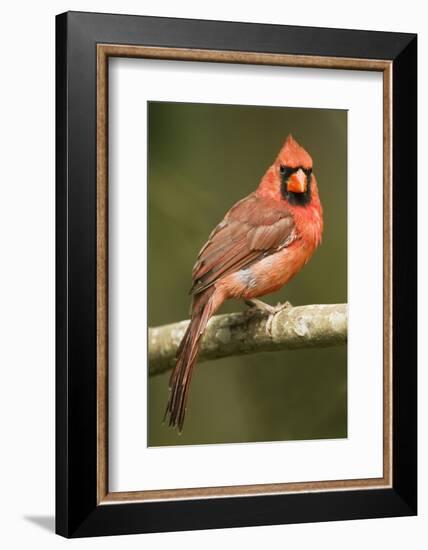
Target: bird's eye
282 169
308 171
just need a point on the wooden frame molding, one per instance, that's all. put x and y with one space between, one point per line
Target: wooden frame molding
104 52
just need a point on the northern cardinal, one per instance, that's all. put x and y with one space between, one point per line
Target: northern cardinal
262 242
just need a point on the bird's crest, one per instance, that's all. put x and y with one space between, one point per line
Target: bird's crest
293 155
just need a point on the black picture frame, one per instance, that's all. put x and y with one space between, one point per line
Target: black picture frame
77 512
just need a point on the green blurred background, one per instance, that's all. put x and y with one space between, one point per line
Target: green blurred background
202 159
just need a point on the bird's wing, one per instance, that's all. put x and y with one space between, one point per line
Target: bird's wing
252 229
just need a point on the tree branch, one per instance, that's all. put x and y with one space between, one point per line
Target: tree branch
243 333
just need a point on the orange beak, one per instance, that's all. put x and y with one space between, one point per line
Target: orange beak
297 182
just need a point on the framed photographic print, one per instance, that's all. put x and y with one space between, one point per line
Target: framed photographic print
236 274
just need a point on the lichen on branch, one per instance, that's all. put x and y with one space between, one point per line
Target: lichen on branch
311 326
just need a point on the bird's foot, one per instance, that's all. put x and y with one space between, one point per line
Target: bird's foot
272 311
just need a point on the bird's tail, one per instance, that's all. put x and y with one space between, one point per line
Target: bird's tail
187 354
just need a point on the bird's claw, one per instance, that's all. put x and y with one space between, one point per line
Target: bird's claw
259 306
274 311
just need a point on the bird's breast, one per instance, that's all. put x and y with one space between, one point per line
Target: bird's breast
268 274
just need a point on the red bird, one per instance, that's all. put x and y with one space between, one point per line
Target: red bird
262 242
